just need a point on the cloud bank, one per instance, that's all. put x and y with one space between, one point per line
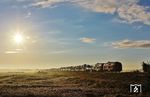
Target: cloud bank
126 10
131 44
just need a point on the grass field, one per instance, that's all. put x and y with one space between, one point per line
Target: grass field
72 84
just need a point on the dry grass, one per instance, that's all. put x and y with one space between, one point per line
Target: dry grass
72 84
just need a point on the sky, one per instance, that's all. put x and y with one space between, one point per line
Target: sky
56 33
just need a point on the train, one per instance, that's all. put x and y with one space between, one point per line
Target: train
102 67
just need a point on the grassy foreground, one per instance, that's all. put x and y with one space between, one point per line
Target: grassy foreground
72 84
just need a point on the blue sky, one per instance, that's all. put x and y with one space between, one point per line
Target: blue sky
72 32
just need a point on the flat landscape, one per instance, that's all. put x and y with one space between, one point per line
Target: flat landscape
72 84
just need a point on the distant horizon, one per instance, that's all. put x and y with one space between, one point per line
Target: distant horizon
33 68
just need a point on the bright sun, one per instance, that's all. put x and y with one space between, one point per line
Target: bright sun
18 38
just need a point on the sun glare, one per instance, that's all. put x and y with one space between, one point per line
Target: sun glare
18 38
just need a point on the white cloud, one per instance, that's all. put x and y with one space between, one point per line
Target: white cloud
131 44
134 13
47 3
127 10
28 15
87 40
19 49
104 6
58 52
11 52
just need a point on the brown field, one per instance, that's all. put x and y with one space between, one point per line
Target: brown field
72 84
